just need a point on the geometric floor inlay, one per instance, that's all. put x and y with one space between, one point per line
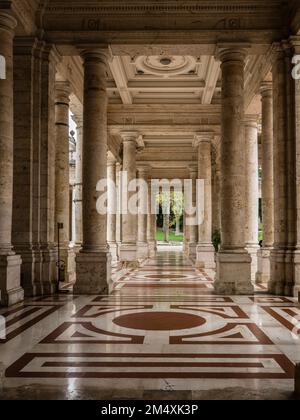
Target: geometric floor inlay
161 327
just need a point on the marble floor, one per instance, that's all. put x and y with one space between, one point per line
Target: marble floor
161 334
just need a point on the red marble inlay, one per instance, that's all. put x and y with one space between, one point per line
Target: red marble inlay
159 321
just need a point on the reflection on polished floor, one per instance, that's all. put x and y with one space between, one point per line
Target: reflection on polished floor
161 334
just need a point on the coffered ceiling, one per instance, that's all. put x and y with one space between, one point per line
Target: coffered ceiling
165 79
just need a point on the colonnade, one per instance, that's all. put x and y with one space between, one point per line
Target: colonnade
34 178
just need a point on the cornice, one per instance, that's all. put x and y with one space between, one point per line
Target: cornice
159 7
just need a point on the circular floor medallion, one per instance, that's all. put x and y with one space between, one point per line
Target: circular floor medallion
165 276
159 321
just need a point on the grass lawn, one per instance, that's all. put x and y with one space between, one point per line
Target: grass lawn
172 236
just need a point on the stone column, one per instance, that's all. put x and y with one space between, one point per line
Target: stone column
10 263
252 190
151 223
112 208
78 183
296 290
192 228
94 261
25 229
233 261
142 244
48 248
205 249
62 179
128 251
119 215
282 255
263 272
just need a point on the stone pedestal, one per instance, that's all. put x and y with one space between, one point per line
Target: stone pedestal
263 266
11 292
93 272
233 261
232 270
10 264
206 256
93 262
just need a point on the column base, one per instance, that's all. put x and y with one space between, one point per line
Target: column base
113 249
252 251
152 248
10 280
142 251
128 253
277 274
192 251
48 284
93 273
206 257
68 256
263 266
30 269
233 274
296 290
290 273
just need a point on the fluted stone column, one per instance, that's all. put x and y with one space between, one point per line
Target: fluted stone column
252 190
233 261
62 178
263 271
192 228
94 261
10 263
205 249
112 208
78 183
151 223
128 251
142 244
